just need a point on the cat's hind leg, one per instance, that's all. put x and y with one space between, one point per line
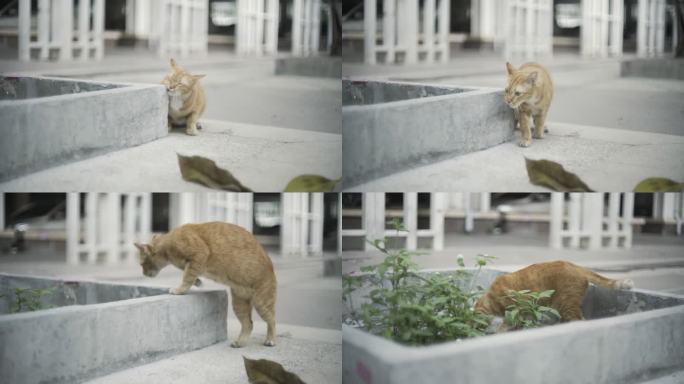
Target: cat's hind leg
539 128
570 305
264 303
242 308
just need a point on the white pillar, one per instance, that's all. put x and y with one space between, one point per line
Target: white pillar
91 221
574 229
373 216
437 208
443 33
24 34
593 219
411 219
429 30
389 20
613 220
369 30
556 222
84 29
98 28
72 227
44 31
317 213
627 216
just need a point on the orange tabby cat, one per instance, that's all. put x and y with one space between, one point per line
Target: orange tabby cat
186 98
569 281
227 254
529 93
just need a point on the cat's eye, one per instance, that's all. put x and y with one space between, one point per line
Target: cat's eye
517 93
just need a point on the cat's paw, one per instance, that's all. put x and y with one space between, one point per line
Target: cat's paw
538 136
198 283
191 132
525 143
236 344
199 126
269 343
176 291
626 284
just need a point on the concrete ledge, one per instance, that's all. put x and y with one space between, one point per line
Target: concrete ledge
644 343
319 66
659 68
42 132
78 342
408 125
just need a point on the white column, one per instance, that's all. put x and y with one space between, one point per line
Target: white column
91 233
44 31
24 34
98 28
437 207
272 26
556 223
369 30
339 224
469 215
317 212
613 220
84 29
642 29
389 38
66 29
593 219
145 217
410 40
72 225
373 216
574 212
627 216
411 219
429 30
112 228
303 216
443 33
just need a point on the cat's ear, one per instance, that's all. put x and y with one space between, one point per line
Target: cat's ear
145 249
509 68
173 63
197 77
532 78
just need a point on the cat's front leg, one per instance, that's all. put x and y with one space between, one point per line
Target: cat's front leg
190 277
525 130
192 124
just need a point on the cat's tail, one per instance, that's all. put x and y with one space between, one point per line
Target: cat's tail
605 282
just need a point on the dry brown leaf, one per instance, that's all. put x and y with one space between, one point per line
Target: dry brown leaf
552 175
264 371
201 170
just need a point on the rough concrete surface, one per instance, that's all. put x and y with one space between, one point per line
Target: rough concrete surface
73 343
622 349
313 354
42 132
263 158
400 130
605 159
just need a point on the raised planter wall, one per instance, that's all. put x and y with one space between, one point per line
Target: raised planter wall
644 338
392 126
89 338
51 121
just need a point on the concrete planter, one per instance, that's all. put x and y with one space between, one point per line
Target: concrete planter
391 126
50 121
100 328
645 338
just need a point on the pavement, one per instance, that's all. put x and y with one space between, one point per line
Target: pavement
262 158
606 159
654 262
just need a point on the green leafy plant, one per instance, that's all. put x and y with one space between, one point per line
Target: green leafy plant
28 299
413 308
526 309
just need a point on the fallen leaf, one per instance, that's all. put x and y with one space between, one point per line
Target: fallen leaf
310 183
203 171
659 184
552 175
264 371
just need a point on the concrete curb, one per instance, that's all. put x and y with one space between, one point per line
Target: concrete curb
77 342
408 125
42 132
